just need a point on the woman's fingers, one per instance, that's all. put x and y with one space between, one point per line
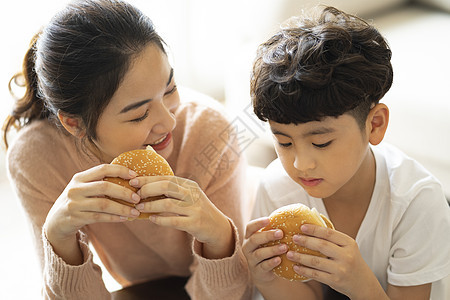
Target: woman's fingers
99 207
105 188
177 222
170 186
105 170
166 206
170 189
141 181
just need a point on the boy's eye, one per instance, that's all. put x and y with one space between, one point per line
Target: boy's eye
141 118
285 145
322 145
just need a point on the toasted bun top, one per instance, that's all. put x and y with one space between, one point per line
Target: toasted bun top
295 215
145 162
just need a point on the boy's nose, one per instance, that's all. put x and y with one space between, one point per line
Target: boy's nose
304 162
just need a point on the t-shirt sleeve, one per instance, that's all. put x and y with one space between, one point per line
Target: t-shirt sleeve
420 248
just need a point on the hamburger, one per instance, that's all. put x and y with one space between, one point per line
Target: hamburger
289 219
145 162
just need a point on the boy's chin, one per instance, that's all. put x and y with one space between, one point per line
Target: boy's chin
316 192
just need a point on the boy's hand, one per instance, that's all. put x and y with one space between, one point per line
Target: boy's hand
344 269
261 260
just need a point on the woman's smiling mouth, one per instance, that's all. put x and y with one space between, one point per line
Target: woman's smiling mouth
162 142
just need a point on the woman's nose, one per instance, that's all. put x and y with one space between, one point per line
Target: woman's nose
166 122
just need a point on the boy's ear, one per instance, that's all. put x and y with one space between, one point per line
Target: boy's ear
377 123
73 125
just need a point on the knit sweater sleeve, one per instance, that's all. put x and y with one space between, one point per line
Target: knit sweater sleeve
38 176
214 153
63 281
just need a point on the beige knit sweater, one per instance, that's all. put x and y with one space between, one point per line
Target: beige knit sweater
43 159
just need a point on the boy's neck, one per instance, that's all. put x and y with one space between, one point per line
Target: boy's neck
347 208
359 188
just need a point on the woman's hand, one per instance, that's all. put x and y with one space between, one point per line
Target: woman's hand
187 208
343 269
83 202
261 260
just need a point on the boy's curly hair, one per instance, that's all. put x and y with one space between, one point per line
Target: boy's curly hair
315 68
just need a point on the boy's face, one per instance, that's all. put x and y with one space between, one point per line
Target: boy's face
324 157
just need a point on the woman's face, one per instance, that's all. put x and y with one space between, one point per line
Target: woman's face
141 112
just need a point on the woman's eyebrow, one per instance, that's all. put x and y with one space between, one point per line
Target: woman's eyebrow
170 77
134 105
140 103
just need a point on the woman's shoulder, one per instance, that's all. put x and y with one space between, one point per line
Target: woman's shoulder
35 146
34 137
199 108
205 138
204 120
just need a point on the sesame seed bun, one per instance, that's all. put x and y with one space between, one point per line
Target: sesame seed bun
145 162
289 219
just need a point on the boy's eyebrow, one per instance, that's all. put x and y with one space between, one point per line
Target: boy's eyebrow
140 103
315 131
276 132
320 130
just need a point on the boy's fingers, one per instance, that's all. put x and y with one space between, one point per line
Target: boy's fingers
265 237
328 234
255 225
265 253
258 239
269 264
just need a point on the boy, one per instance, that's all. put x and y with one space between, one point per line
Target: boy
318 83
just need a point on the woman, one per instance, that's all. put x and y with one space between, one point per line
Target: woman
98 83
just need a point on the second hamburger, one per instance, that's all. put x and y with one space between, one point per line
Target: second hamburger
289 219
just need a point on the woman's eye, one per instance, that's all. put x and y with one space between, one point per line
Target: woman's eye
322 145
141 118
172 90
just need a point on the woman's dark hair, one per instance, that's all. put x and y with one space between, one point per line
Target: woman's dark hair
315 68
77 62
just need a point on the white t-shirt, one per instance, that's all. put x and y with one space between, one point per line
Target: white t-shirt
404 237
